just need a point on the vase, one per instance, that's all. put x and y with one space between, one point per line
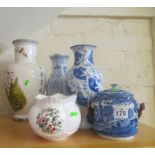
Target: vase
24 79
55 117
57 80
84 79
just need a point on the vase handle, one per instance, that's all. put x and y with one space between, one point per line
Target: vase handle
140 109
90 113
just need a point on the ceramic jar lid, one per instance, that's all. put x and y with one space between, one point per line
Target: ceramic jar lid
114 93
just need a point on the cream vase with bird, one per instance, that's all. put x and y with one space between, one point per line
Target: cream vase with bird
24 79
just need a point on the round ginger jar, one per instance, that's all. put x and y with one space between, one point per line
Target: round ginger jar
24 79
114 113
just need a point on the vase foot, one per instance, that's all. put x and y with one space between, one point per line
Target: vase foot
22 118
59 139
115 138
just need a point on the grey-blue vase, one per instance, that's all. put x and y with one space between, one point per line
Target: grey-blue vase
84 79
57 79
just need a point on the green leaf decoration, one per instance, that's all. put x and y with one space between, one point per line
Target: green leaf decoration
26 82
73 114
16 96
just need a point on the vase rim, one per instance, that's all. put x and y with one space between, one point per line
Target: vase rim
83 45
58 56
24 41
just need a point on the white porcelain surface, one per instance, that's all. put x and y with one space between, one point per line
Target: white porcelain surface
24 79
55 117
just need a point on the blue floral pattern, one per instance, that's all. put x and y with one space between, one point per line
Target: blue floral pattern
57 80
93 84
79 73
106 105
91 57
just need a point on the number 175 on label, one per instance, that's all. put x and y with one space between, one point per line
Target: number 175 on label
121 113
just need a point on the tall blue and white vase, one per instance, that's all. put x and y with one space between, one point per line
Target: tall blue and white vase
57 79
84 79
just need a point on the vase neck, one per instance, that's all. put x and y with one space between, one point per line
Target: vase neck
59 64
25 52
83 54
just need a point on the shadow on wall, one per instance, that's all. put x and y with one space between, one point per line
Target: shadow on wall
2 48
6 59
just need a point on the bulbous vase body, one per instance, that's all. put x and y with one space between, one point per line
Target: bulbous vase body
24 79
55 117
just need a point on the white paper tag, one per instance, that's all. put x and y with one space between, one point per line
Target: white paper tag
121 112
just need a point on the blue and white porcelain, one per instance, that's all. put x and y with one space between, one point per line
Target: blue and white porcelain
115 114
57 80
84 79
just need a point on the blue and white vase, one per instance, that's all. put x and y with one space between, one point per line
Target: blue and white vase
57 80
84 79
115 114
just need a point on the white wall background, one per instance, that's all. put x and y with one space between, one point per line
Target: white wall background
124 48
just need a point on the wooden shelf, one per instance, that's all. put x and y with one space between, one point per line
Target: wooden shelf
19 134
